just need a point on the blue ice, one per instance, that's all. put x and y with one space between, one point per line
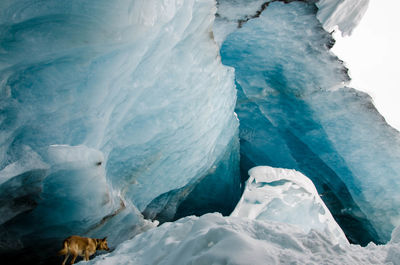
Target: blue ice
296 112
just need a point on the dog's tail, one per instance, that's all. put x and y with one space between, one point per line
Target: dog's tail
64 251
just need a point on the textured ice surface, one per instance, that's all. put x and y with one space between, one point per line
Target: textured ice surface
204 195
343 14
123 107
295 112
106 106
287 196
55 189
230 12
213 239
68 195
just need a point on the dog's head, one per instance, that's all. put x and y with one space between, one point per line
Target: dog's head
102 244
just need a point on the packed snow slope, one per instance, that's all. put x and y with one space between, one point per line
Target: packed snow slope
214 239
296 112
104 108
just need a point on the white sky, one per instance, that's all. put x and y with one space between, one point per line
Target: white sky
372 53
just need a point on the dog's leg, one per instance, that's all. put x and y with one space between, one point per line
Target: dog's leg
86 255
74 258
65 259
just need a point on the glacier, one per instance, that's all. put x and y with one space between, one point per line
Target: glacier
296 112
121 115
105 109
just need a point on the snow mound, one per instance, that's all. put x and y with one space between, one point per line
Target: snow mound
214 239
287 196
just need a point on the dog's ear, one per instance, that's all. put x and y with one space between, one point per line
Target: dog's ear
104 239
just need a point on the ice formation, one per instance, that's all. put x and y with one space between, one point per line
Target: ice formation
122 110
213 239
296 112
104 108
287 196
343 14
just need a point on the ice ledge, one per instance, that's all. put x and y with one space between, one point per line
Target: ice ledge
343 14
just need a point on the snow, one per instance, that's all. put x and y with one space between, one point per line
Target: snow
287 196
251 236
214 239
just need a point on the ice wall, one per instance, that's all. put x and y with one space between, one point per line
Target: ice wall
108 104
296 112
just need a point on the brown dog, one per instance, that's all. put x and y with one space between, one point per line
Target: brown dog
82 246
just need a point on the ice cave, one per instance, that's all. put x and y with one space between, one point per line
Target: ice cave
191 132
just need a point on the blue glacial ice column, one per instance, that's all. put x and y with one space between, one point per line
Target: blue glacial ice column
107 102
296 112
